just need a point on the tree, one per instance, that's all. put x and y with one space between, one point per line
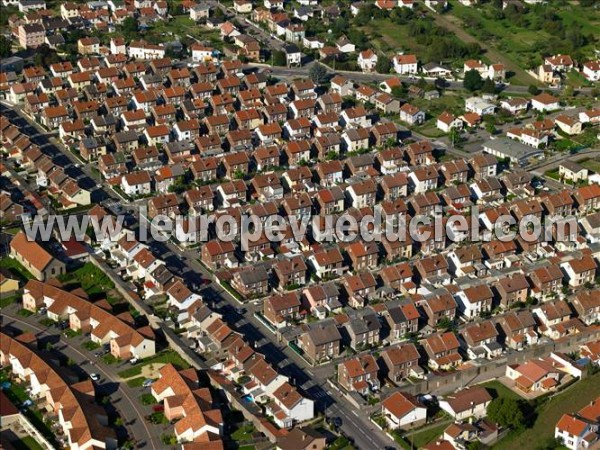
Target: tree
130 27
383 64
507 412
472 81
533 89
318 73
5 46
488 87
279 58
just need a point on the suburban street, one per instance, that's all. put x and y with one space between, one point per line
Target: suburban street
121 395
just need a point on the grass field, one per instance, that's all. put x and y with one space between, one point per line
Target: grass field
550 411
15 268
90 278
497 389
429 434
27 443
162 358
591 164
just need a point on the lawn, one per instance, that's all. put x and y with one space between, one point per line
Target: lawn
429 434
8 300
14 267
165 357
147 399
185 29
591 164
243 433
497 389
27 443
136 382
552 174
90 278
550 411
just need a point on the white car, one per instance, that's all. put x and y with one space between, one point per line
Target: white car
94 376
133 360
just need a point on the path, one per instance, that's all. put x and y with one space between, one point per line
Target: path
455 25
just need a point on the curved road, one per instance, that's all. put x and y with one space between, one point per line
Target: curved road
140 424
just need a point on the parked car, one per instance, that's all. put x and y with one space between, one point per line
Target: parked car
133 361
148 382
94 376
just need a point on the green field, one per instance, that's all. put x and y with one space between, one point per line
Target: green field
165 357
27 443
90 278
591 164
550 411
524 37
15 268
429 434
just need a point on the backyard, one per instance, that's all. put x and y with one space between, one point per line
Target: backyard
549 410
91 279
14 267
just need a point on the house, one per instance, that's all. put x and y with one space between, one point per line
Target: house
411 114
137 183
587 198
442 351
518 329
591 70
550 314
474 301
479 106
321 297
570 125
512 289
403 411
216 254
35 258
469 402
363 329
344 45
251 282
401 362
405 64
402 319
281 309
481 340
293 55
545 102
320 342
587 306
439 307
359 374
579 271
572 171
367 60
535 375
576 432
448 121
546 281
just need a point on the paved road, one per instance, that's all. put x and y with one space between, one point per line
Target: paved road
288 73
124 398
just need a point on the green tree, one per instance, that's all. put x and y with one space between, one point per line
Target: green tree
130 27
5 46
533 89
489 86
383 64
507 412
279 58
318 73
472 81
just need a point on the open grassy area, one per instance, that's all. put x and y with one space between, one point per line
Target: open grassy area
27 443
243 433
497 389
90 278
591 164
526 36
550 411
427 435
14 267
184 29
165 357
6 300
